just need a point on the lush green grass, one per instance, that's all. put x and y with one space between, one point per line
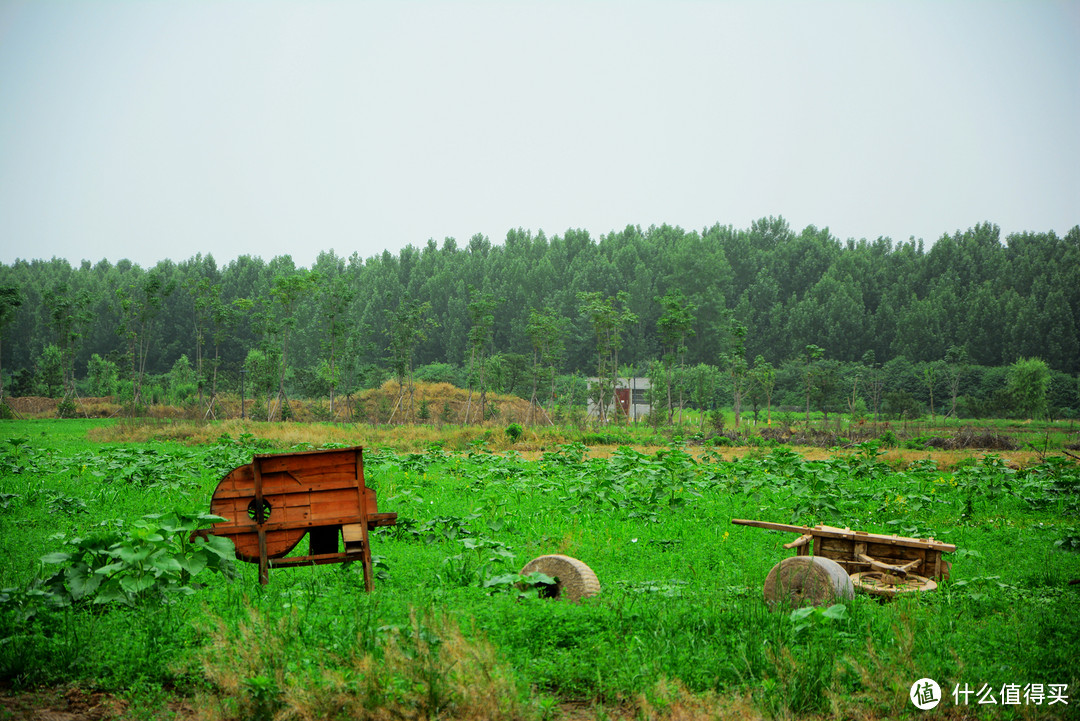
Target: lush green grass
680 608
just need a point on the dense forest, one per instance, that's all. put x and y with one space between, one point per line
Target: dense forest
734 299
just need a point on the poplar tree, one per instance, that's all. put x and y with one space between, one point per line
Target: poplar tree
409 326
10 300
608 316
675 326
546 331
482 317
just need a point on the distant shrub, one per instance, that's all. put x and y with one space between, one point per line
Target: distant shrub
67 409
513 432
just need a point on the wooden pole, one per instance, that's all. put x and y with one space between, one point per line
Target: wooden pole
365 560
260 520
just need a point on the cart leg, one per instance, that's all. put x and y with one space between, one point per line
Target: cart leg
264 561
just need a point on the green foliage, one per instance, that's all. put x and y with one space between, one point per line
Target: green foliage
1029 381
901 405
680 591
49 372
1070 541
152 562
66 408
102 376
423 413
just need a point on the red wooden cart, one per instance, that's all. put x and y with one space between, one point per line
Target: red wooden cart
271 503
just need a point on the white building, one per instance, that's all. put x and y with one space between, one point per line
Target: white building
632 394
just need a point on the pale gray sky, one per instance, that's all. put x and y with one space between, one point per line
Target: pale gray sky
150 130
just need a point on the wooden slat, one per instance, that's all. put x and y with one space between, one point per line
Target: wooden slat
846 533
264 568
352 533
311 462
771 526
800 541
831 532
833 548
315 560
232 529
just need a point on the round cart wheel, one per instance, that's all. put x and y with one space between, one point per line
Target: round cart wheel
885 584
234 500
807 581
573 579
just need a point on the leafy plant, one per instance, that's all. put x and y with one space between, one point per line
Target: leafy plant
466 569
1070 541
527 585
157 559
810 616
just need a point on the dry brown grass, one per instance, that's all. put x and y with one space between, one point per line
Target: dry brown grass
41 407
428 670
409 438
446 403
284 435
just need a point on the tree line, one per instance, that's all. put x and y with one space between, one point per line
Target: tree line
520 315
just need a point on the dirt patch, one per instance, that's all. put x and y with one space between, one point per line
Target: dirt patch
60 704
73 703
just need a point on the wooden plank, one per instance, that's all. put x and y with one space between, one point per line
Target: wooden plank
833 548
232 529
315 560
362 499
264 568
340 461
846 533
884 551
832 532
771 526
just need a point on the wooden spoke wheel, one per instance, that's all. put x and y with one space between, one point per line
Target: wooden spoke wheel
234 500
879 583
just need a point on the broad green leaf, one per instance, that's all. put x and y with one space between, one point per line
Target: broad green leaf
136 584
132 555
167 564
110 569
837 612
82 586
194 563
506 579
218 545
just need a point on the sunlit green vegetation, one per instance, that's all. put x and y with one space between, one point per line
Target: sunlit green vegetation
102 585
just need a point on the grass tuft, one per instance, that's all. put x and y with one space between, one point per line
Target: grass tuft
425 670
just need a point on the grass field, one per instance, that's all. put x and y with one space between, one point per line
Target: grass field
103 589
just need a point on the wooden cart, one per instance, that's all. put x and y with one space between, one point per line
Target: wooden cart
877 563
271 503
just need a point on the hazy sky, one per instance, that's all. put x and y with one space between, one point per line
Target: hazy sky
150 130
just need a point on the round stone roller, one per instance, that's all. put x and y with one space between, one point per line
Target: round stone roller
807 581
574 580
